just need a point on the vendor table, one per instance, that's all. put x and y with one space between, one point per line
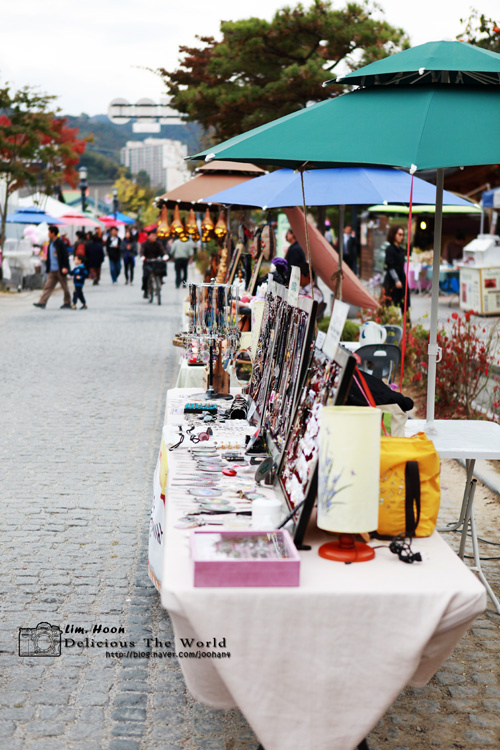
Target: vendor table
317 666
467 440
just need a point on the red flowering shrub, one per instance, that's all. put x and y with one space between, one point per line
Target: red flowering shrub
469 350
417 342
385 314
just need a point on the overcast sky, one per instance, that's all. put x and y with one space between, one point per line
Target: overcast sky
90 52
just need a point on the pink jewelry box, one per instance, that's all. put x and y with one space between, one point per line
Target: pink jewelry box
217 561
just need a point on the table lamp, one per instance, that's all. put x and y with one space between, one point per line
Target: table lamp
348 479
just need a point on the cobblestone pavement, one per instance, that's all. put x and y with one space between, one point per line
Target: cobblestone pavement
83 396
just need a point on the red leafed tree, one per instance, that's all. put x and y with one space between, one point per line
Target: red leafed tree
36 147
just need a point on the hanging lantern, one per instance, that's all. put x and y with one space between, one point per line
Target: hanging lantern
207 226
177 227
221 226
163 229
191 226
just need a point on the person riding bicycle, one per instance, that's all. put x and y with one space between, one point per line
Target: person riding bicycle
152 249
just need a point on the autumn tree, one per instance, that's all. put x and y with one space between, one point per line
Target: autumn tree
261 70
136 198
481 31
36 146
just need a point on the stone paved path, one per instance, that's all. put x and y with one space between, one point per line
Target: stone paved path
83 396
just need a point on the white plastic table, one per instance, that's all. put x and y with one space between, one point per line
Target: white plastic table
467 440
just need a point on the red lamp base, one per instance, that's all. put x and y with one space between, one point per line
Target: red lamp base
346 550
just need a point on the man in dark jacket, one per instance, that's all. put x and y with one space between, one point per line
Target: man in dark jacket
150 250
113 250
57 266
294 256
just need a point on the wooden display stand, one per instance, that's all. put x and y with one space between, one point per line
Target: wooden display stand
220 376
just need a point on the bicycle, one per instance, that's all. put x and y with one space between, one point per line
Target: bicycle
156 274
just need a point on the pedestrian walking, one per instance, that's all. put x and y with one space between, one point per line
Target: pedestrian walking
129 252
79 247
79 274
57 266
114 253
182 251
94 257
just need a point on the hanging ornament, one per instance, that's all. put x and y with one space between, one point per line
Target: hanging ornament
221 226
207 226
177 227
191 226
163 229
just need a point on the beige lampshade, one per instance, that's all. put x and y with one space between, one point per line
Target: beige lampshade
349 469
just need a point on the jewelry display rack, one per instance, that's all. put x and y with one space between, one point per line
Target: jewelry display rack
327 382
213 318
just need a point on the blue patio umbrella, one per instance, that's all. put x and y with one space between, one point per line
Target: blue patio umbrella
122 217
332 187
32 215
339 186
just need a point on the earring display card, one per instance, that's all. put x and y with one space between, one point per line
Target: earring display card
327 383
260 369
244 558
282 352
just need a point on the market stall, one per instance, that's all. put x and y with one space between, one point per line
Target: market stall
328 625
480 275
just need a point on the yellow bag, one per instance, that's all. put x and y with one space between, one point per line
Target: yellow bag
409 486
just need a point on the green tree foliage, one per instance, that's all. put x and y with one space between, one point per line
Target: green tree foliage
481 31
262 70
36 147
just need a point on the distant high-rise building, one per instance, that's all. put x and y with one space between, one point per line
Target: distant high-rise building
161 158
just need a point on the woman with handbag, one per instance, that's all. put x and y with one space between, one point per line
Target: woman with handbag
395 276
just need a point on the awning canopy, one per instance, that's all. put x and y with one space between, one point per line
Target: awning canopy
325 261
211 178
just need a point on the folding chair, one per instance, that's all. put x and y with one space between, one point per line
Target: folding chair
380 360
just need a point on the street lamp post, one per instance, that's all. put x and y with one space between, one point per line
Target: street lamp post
83 185
115 202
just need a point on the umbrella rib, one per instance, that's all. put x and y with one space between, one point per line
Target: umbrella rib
301 170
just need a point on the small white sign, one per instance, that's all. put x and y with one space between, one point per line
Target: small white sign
320 340
294 286
337 323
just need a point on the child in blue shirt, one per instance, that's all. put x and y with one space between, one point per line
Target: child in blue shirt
79 274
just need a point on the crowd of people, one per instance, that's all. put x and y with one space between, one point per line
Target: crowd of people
90 250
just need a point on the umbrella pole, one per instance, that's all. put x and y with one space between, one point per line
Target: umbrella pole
340 271
434 350
308 249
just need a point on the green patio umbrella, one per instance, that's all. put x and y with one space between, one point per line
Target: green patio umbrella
452 121
427 126
433 62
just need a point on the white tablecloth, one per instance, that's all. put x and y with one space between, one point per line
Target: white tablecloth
315 667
